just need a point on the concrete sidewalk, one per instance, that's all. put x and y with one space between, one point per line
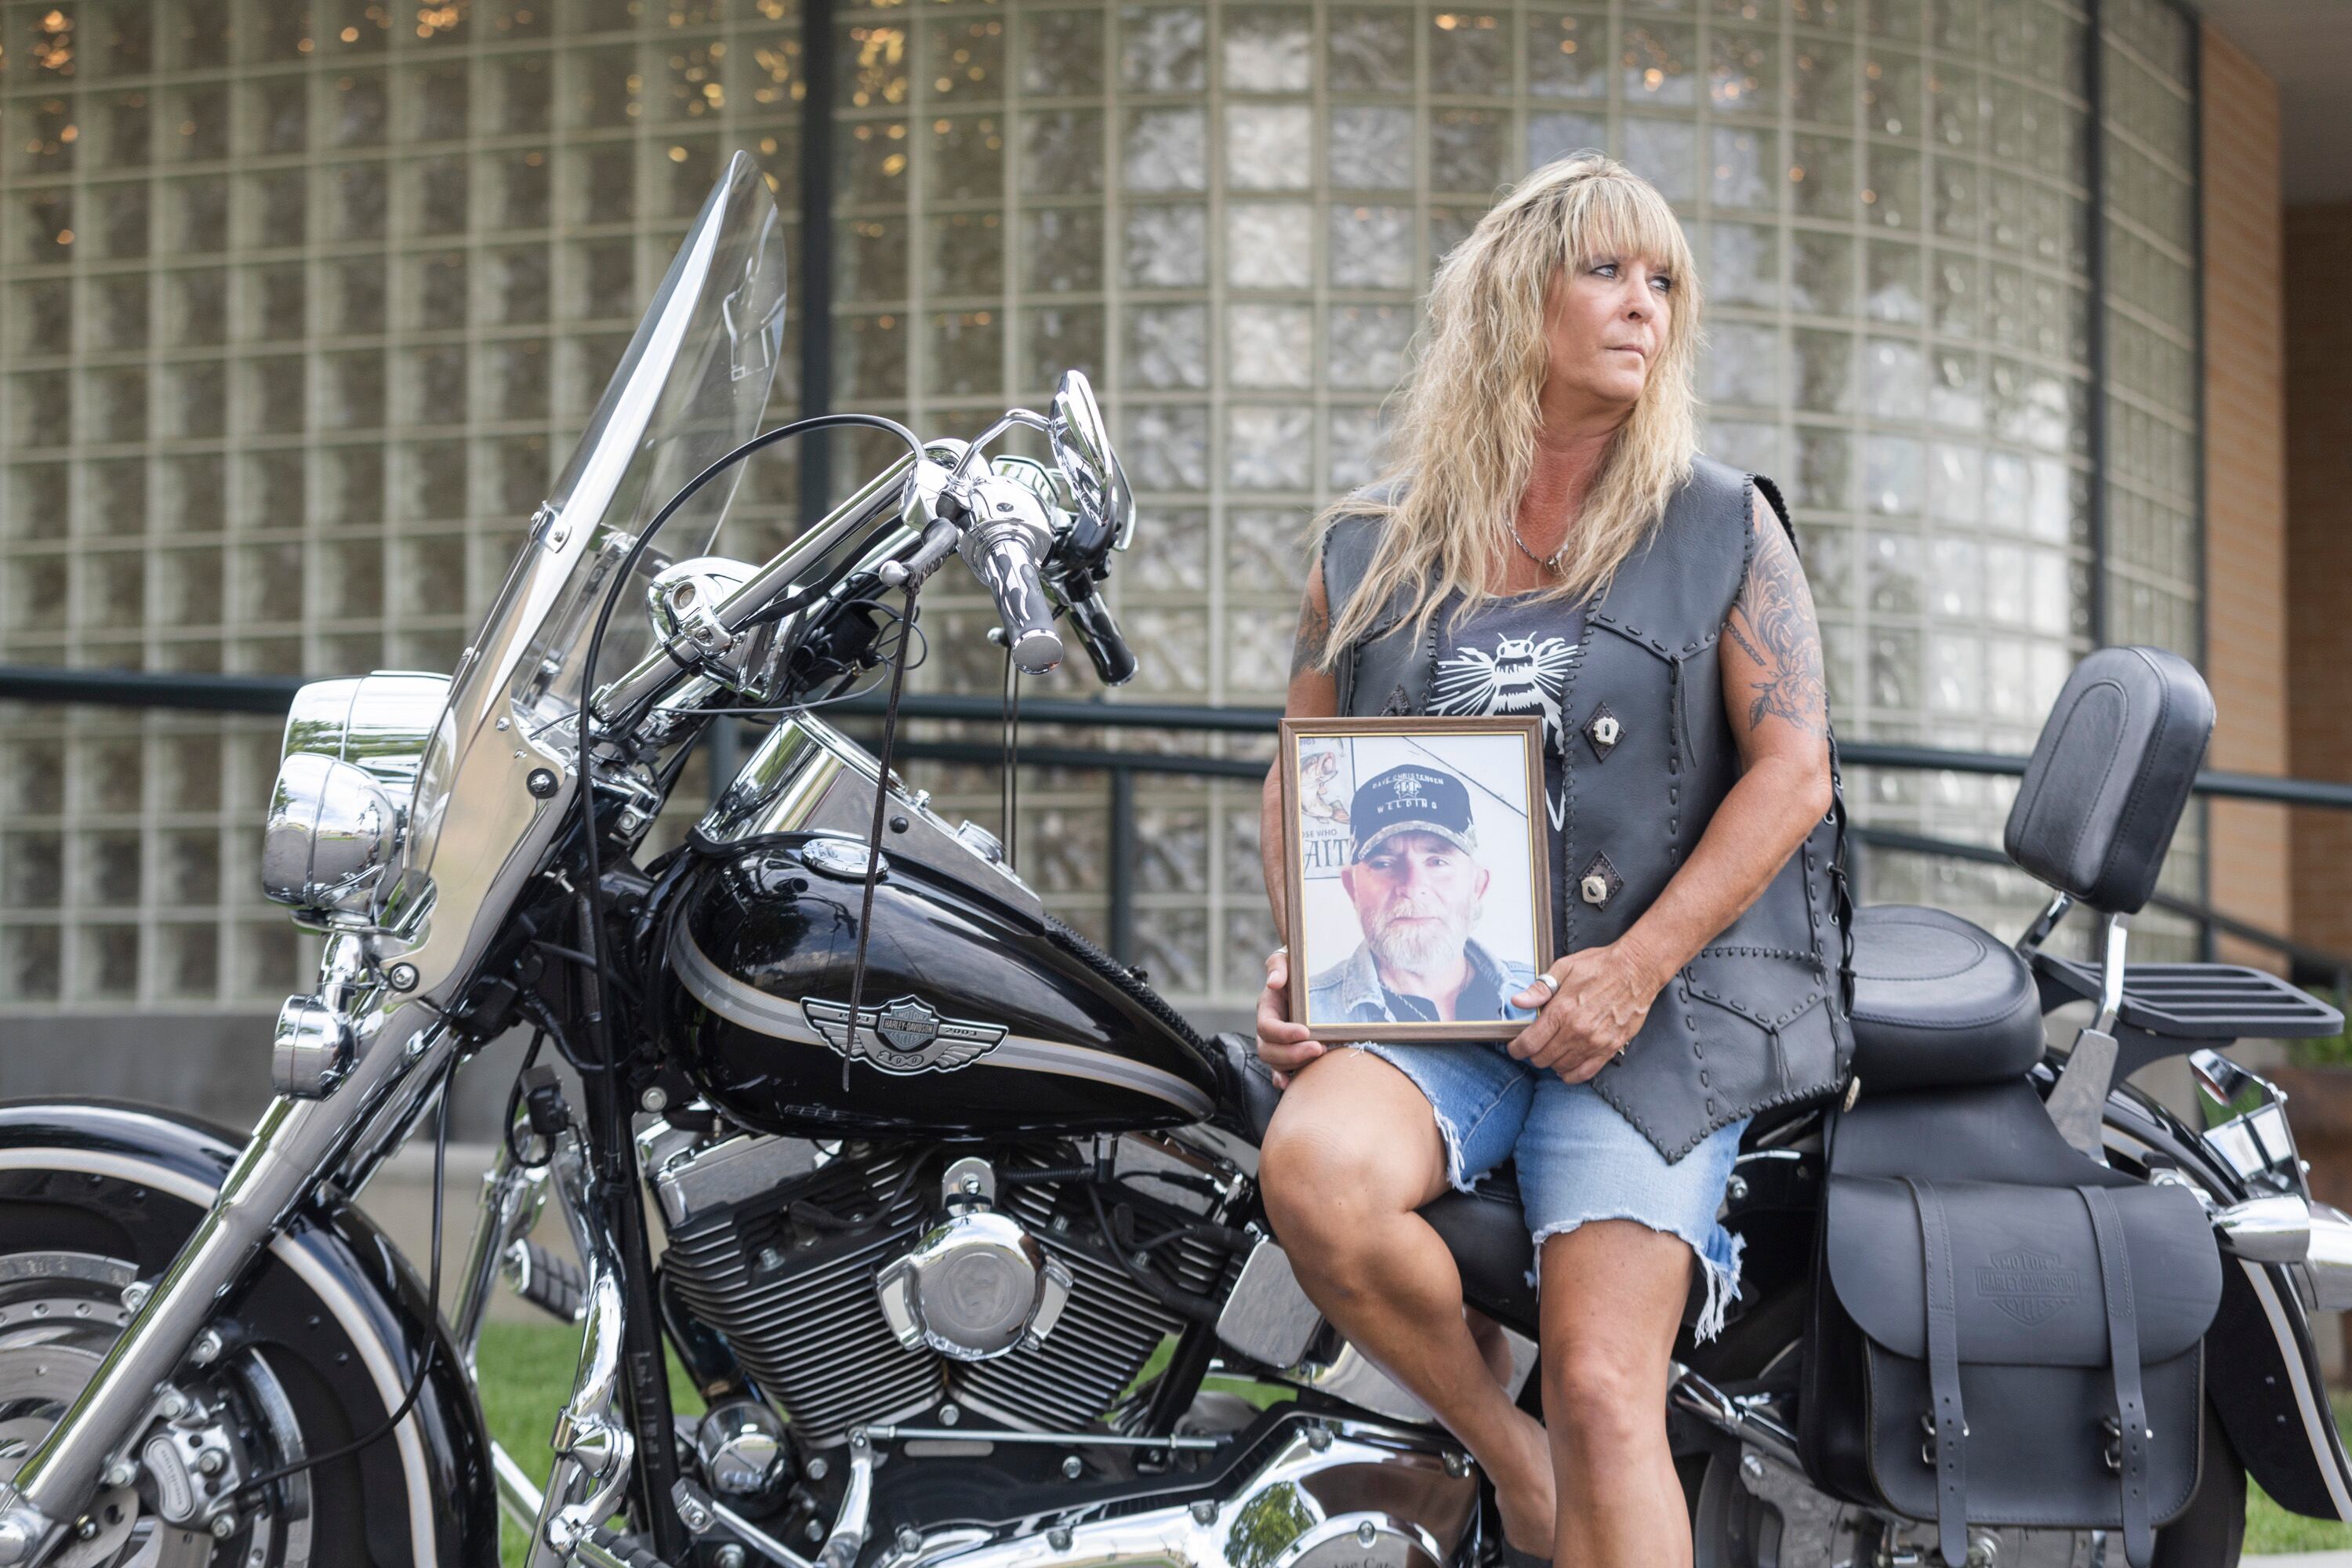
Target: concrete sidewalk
2300 1559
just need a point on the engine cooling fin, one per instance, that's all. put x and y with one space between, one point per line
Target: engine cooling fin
802 1319
789 1278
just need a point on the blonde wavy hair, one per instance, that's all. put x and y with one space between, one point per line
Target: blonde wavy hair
1469 410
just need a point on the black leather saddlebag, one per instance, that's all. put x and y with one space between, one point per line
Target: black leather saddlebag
2008 1354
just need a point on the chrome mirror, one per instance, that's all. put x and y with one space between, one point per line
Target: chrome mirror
1081 442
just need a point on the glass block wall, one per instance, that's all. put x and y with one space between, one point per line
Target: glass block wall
1225 214
303 302
2155 547
300 306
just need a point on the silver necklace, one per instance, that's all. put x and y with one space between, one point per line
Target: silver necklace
1550 564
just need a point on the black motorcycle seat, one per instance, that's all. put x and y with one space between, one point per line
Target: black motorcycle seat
1486 1231
1939 1002
1250 1097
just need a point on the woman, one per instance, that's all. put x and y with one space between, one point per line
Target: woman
1548 487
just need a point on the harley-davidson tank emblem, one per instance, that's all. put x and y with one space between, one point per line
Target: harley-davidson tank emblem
2030 1287
906 1034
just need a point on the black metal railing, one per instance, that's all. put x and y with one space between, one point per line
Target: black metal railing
259 694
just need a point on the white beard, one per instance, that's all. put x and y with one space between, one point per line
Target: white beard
1416 945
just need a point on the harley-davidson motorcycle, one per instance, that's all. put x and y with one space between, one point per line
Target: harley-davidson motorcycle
936 1177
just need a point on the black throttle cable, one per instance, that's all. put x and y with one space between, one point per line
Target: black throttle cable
1010 786
426 1357
592 929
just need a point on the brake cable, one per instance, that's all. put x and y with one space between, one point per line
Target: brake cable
874 833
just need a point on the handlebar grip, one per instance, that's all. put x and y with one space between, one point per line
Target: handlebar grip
1098 631
1004 561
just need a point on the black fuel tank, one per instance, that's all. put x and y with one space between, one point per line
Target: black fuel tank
973 1023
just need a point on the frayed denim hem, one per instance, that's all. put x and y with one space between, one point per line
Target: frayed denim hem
1722 1272
1447 1133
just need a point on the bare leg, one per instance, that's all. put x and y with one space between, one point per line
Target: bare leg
1613 1300
1352 1151
1493 1348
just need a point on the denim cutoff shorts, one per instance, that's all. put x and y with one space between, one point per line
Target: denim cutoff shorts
1579 1159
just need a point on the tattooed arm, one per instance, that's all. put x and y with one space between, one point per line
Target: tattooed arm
1314 694
1770 669
1772 648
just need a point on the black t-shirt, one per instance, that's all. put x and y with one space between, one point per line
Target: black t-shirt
1512 655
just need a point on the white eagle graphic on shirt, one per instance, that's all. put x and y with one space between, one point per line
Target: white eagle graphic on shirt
1522 675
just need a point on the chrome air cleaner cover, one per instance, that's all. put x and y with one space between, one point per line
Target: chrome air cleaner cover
975 1287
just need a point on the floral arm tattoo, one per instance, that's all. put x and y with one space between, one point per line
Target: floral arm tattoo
1314 632
1773 621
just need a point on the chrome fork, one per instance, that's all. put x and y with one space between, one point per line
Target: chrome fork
293 1149
593 1448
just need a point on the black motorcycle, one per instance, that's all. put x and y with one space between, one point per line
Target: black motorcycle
937 1177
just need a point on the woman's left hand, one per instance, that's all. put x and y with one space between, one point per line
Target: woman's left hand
1603 995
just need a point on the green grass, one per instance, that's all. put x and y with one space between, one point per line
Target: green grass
527 1371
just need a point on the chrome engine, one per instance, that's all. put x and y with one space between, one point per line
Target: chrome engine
862 1284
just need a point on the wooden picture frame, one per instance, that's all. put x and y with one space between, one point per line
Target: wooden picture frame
1461 804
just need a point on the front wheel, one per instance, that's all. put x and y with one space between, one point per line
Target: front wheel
298 1362
1754 1512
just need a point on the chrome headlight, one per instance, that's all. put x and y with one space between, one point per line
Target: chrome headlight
331 832
378 722
352 750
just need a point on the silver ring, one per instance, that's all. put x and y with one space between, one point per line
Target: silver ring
1547 983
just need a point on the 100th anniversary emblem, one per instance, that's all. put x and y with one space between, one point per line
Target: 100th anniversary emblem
906 1034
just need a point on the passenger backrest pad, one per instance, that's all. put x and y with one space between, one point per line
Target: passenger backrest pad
2110 775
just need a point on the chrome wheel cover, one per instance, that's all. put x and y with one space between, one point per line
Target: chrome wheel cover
59 1312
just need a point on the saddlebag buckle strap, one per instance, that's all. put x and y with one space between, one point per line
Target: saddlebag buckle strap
1950 1432
2133 1431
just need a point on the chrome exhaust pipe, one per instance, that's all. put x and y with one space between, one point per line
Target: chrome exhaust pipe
2275 1229
1327 1495
2326 1271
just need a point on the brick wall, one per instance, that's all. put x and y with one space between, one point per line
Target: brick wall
2319 547
2245 480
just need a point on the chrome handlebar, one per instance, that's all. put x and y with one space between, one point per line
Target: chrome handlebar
1007 535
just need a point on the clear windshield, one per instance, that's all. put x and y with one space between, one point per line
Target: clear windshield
690 389
692 384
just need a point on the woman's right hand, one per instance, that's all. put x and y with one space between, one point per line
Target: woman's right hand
1281 1044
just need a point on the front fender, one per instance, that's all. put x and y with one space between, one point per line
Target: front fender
2261 1363
343 1281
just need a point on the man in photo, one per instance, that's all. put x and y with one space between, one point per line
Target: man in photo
1418 888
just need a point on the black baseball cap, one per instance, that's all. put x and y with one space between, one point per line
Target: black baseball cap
1414 798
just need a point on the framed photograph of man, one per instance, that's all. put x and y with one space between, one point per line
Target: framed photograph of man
1419 900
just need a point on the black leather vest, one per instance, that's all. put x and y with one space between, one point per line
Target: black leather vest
1759 1018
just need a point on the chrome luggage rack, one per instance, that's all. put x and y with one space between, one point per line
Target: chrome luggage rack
2164 1002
